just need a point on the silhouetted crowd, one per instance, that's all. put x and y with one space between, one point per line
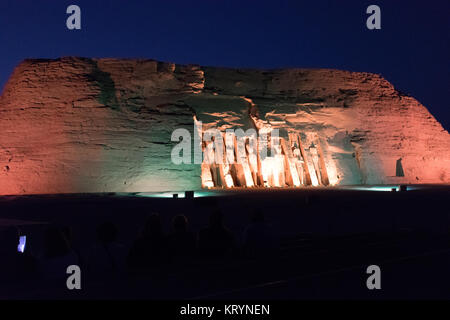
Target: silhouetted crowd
151 249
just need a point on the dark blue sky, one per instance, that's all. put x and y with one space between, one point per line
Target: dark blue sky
412 49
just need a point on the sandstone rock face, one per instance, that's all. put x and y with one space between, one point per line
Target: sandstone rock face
75 125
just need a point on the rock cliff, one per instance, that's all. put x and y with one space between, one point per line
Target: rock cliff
104 125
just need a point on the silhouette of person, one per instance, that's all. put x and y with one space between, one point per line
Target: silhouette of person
68 234
150 248
107 256
57 255
259 239
216 240
181 242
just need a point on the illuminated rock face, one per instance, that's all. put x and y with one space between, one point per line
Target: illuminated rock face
105 125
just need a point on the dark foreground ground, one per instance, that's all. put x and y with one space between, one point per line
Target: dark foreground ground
327 237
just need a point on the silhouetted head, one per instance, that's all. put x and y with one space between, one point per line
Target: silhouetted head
9 239
180 223
216 219
55 243
67 232
257 216
152 225
107 232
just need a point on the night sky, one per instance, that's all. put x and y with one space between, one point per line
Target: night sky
412 49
